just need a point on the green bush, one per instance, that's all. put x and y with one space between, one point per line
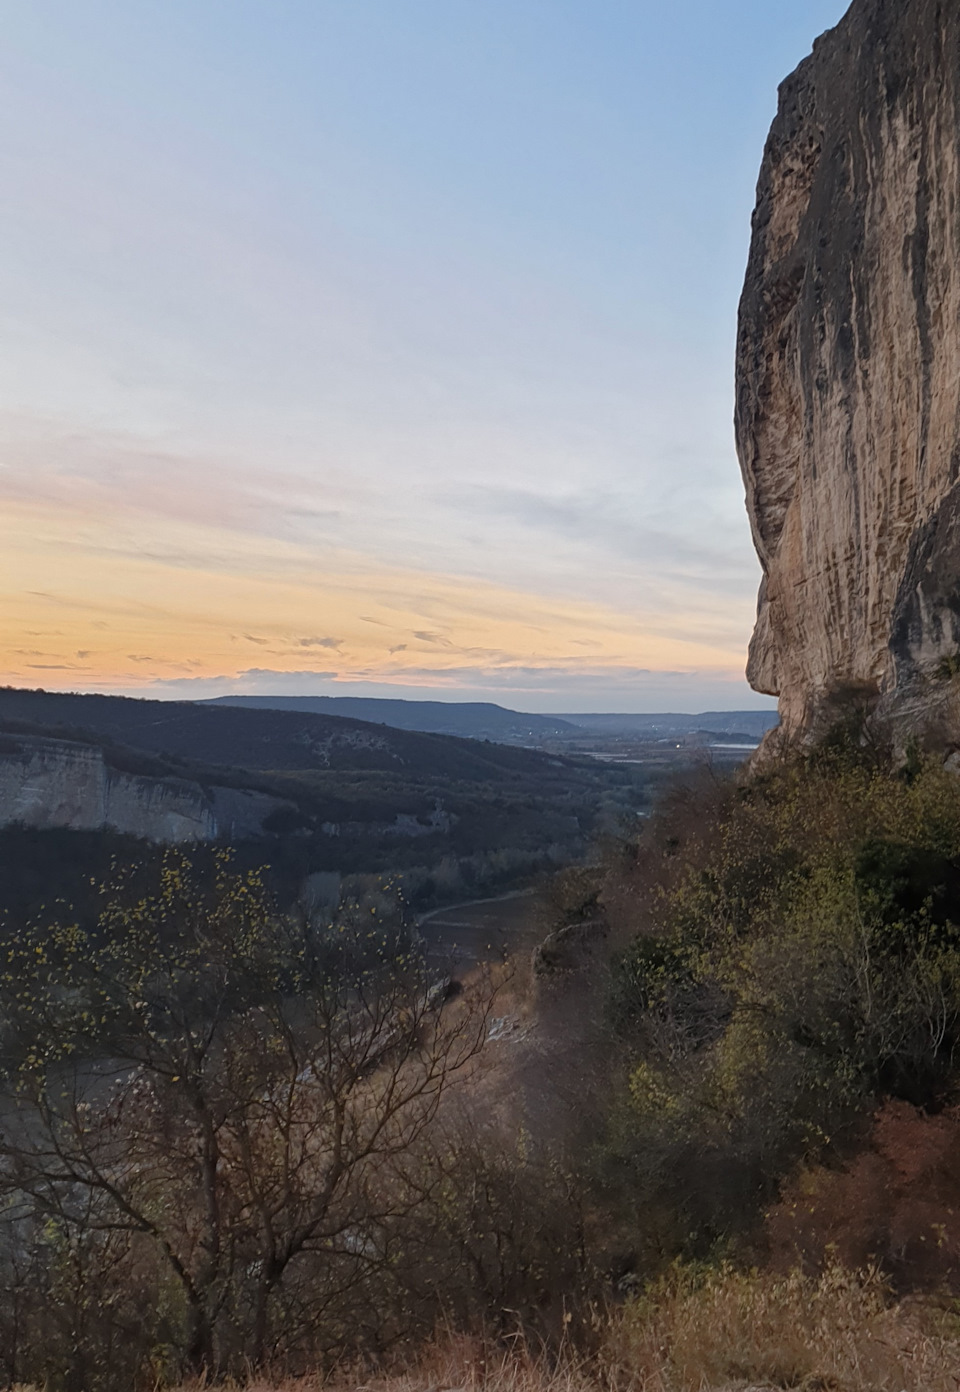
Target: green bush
799 965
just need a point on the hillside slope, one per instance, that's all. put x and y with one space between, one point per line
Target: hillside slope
278 740
309 795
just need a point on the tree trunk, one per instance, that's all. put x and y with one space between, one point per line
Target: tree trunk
199 1355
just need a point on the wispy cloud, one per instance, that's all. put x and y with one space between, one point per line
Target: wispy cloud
372 367
693 547
56 667
386 625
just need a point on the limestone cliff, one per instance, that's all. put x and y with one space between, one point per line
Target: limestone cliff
48 782
848 378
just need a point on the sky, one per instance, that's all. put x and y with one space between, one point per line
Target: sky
380 347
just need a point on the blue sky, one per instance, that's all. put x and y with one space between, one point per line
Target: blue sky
380 346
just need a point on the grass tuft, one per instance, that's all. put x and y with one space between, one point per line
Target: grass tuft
708 1331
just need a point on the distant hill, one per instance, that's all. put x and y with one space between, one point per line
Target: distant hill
307 795
754 722
262 738
485 720
466 719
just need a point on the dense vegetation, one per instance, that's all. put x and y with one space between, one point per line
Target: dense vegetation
226 1141
458 818
234 1138
792 957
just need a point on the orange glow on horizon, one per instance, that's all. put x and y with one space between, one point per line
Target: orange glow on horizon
113 603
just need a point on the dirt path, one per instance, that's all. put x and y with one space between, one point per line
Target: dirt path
481 931
541 1067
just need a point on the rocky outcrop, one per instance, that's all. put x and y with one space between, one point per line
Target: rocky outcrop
848 379
47 782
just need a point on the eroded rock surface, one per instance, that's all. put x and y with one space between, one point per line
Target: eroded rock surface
48 782
848 378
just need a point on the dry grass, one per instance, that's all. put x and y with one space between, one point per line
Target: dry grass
453 1365
837 1333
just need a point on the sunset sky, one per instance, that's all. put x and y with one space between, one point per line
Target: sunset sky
380 346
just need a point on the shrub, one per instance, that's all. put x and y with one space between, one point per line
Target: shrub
896 1202
698 1329
795 964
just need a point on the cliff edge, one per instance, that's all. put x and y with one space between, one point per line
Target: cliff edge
848 379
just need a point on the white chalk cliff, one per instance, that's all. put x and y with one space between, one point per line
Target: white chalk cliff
48 782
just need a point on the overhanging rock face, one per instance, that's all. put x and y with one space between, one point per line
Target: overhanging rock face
848 379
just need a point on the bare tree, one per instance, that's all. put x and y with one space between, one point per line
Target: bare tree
238 1096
